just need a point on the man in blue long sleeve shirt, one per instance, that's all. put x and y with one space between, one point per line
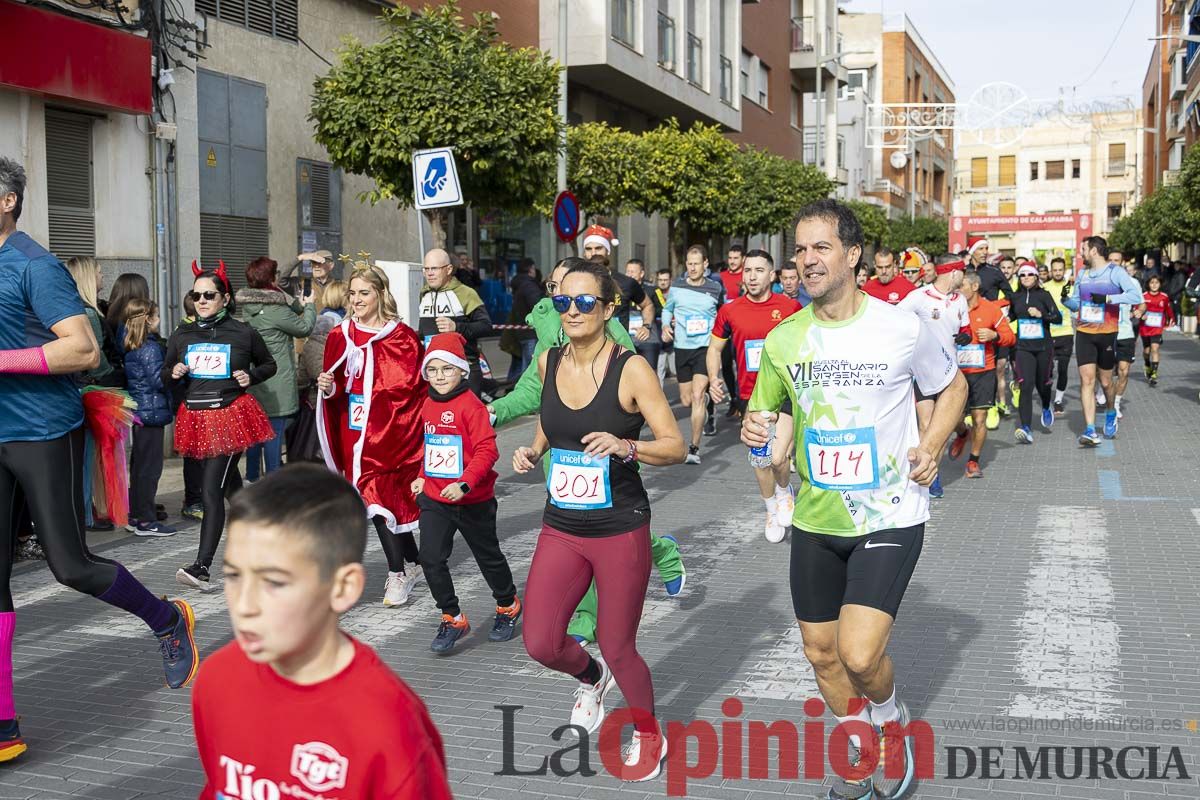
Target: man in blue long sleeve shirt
1096 299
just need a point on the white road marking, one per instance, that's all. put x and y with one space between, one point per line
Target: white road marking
1070 646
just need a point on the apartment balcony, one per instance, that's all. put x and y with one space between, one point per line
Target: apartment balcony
938 209
803 60
645 59
885 186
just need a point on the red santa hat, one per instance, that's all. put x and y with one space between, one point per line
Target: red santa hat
598 234
975 242
449 347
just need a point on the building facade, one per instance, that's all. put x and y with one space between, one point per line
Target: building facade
888 62
1084 165
1170 93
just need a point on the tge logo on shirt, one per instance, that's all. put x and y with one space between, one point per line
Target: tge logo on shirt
319 767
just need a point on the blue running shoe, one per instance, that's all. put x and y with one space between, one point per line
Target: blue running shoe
935 488
675 585
1047 419
11 743
181 659
1110 424
449 631
893 779
1090 438
1023 435
583 640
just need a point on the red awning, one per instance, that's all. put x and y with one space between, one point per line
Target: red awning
64 57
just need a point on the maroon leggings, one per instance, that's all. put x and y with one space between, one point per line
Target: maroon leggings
563 568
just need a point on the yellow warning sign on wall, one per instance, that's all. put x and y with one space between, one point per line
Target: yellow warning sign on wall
212 157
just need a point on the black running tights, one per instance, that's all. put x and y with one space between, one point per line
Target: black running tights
50 475
219 478
398 547
1034 374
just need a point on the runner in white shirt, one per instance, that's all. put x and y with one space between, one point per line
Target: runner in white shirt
944 311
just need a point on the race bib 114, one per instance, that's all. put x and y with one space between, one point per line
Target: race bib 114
841 460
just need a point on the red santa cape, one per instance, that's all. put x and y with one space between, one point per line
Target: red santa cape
387 452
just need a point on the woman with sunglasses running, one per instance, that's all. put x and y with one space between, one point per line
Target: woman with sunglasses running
1033 310
216 358
595 400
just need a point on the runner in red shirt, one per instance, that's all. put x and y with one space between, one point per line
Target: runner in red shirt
1157 317
977 360
888 284
731 279
294 706
747 321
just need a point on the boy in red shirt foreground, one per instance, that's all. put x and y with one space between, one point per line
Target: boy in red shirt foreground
295 707
456 492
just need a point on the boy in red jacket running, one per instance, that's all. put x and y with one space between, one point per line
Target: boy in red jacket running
295 707
456 493
1158 316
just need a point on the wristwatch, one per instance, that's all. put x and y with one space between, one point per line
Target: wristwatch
466 487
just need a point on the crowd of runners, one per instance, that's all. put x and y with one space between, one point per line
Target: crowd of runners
850 391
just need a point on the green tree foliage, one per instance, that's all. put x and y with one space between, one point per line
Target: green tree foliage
873 219
434 81
687 177
772 191
605 168
927 233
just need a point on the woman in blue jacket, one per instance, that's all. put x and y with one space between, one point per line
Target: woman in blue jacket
144 353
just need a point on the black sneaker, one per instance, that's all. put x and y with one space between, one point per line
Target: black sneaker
195 577
710 425
449 632
11 744
101 526
1059 409
693 455
180 658
505 625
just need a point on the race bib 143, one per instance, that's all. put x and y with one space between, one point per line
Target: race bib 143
208 360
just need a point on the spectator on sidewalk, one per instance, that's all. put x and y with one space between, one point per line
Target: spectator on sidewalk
447 305
279 319
526 291
144 354
310 274
126 287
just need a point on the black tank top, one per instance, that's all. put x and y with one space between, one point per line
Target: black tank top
578 499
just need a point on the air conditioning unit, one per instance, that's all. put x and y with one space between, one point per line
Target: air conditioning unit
1179 74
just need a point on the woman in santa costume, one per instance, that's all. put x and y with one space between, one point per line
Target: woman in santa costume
215 358
369 419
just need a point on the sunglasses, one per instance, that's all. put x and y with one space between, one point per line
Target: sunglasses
198 296
586 303
911 271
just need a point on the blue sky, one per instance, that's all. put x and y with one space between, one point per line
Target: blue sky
1042 46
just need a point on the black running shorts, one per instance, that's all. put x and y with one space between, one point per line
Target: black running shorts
1003 353
1064 346
981 389
689 362
829 572
1149 340
1096 348
1125 348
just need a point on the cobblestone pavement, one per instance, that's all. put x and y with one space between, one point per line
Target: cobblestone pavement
1056 595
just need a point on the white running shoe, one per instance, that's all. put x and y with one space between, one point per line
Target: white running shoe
773 530
588 712
633 754
786 506
399 587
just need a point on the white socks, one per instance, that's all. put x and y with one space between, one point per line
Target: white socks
863 715
772 504
1059 394
885 711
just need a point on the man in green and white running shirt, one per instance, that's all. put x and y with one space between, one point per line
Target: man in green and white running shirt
847 363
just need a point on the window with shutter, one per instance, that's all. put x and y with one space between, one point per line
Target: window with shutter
277 18
1008 170
69 184
1055 170
1008 208
1116 158
979 208
235 240
979 173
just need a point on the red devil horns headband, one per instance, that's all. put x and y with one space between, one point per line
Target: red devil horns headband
220 270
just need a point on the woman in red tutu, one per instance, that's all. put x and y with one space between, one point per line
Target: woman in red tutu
369 419
216 357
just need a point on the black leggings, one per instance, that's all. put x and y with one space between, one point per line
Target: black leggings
219 478
398 547
50 475
1033 372
1064 346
